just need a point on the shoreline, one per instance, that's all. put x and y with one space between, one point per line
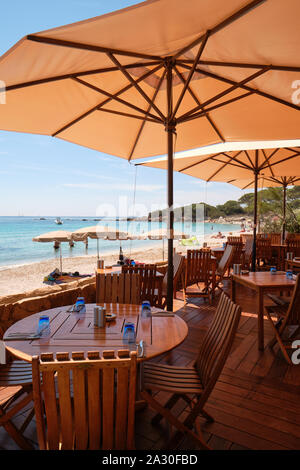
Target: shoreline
19 279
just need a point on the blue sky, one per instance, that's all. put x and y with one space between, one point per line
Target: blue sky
42 175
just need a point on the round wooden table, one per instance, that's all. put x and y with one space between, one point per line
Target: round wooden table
76 332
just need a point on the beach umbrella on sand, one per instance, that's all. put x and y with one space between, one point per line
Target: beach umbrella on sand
204 71
248 161
58 236
97 232
162 234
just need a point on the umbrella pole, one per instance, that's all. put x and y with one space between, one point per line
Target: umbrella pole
60 256
97 248
170 128
284 213
255 214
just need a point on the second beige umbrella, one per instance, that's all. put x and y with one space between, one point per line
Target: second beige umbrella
250 162
97 232
162 234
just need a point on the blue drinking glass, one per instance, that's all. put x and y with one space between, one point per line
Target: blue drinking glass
129 333
44 326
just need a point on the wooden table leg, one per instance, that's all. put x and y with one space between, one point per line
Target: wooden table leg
260 318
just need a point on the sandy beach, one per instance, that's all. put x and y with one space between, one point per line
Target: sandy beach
25 278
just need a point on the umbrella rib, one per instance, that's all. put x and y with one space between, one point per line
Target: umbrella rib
143 123
248 88
284 159
269 157
133 116
89 47
249 159
99 105
239 165
225 164
267 161
244 165
134 83
55 78
216 106
113 97
225 92
194 96
283 68
190 75
230 19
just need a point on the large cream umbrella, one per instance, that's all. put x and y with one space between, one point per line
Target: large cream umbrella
250 162
97 232
58 236
208 71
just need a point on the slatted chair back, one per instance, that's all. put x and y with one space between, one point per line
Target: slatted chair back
198 266
149 280
245 236
225 261
263 236
178 264
275 238
263 248
123 288
293 246
234 240
237 253
89 403
292 316
248 251
291 235
217 343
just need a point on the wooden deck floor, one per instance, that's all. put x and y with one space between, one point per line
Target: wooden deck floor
255 402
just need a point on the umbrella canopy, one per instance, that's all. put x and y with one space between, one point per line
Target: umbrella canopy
58 236
162 233
99 232
209 70
243 168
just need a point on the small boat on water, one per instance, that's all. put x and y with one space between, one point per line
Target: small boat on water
58 221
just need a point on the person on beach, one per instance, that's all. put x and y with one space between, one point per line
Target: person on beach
219 235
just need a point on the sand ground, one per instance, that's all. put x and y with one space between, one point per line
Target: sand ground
19 279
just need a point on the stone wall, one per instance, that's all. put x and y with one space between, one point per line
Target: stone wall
14 308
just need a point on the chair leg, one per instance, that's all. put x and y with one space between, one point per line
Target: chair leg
174 421
169 405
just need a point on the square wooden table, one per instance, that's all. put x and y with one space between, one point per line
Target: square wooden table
261 283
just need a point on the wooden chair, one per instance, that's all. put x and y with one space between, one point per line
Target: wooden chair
263 252
293 246
197 380
275 238
223 265
151 287
178 277
89 402
247 256
118 288
287 315
197 271
15 395
231 240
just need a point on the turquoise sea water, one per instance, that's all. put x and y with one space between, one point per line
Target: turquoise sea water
17 247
